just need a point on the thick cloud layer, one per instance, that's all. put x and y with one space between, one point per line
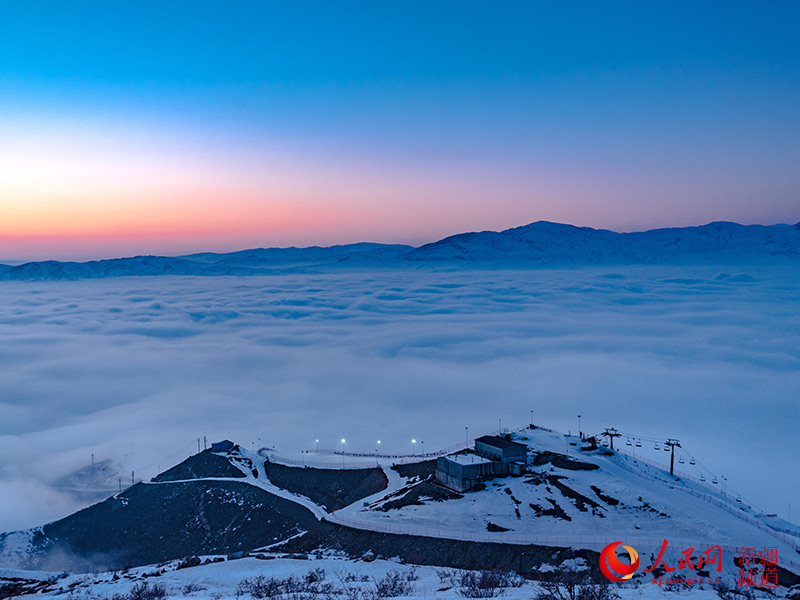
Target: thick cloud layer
135 369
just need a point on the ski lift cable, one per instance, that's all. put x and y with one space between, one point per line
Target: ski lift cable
689 459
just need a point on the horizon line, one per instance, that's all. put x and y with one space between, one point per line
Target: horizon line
84 260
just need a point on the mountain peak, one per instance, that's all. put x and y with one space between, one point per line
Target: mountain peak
537 244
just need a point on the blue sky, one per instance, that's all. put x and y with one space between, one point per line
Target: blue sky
338 120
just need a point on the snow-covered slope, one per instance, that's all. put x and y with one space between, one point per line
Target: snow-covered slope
569 497
586 499
326 575
540 244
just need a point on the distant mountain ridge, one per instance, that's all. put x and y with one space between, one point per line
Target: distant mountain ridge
539 244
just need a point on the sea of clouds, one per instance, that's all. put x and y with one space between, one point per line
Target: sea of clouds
135 369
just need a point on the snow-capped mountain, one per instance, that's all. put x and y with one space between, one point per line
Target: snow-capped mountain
556 244
540 244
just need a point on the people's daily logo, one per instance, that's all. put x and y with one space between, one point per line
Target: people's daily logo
613 568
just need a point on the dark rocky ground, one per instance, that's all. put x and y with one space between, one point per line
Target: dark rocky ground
150 523
420 493
436 551
330 488
205 464
422 470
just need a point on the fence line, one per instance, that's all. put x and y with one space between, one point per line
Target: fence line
276 458
733 509
664 467
348 465
422 455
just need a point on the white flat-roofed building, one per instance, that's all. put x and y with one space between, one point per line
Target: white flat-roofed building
501 450
462 472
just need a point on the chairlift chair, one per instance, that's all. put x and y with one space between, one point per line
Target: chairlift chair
628 442
638 443
656 447
680 460
714 480
702 478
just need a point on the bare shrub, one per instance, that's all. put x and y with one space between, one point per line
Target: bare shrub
260 587
392 585
192 588
567 584
447 576
310 586
486 584
144 591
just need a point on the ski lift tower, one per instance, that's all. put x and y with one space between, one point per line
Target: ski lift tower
611 433
672 444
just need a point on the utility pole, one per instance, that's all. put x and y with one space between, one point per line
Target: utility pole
672 443
92 459
132 480
611 433
580 433
531 425
198 445
205 444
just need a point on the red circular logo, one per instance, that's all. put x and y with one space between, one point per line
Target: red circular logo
613 568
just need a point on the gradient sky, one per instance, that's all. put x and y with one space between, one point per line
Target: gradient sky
166 128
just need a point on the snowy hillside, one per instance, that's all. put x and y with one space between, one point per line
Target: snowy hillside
319 575
540 244
569 504
587 499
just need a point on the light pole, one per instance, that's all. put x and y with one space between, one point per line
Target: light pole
580 433
414 447
531 425
466 438
343 441
422 443
317 442
376 448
